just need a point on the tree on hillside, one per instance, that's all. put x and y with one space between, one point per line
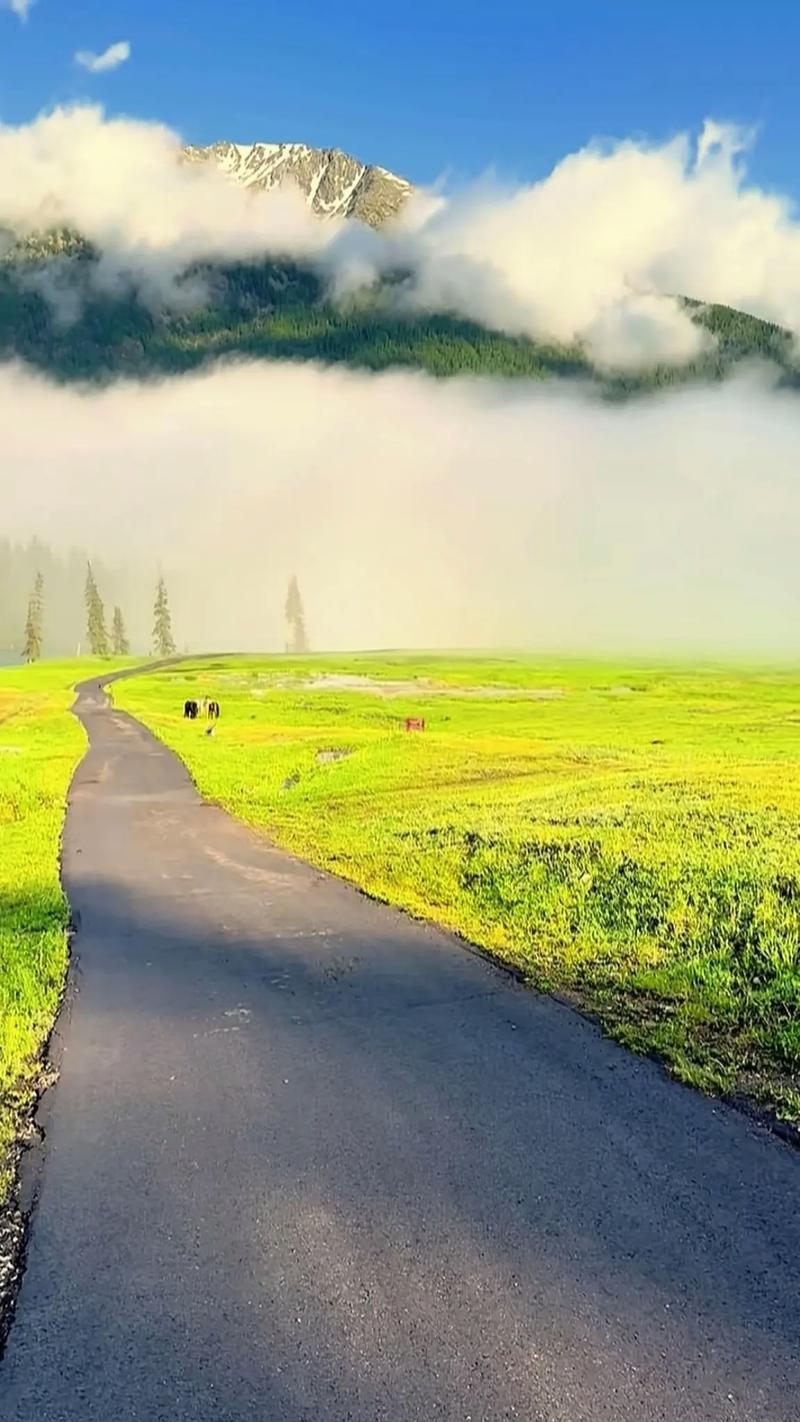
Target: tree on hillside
297 638
95 617
34 623
119 637
163 641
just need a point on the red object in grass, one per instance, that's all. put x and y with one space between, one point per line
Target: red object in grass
415 723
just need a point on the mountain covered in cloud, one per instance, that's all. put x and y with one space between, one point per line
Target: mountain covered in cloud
90 297
334 184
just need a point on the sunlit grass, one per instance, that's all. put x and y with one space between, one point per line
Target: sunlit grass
627 834
40 745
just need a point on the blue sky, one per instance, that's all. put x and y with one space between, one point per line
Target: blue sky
426 87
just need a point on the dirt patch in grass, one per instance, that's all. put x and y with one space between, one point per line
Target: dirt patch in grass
419 687
405 689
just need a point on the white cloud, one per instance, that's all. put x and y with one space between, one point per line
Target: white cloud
120 182
596 252
111 58
420 512
613 234
18 7
638 331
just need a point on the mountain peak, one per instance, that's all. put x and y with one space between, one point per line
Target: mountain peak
335 184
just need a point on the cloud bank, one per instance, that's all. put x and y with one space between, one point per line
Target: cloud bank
424 513
111 58
597 250
594 253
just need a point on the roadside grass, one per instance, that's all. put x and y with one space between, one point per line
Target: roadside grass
40 746
626 835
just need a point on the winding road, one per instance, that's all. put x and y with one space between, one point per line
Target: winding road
310 1161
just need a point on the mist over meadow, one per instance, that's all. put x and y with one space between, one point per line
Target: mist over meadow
418 512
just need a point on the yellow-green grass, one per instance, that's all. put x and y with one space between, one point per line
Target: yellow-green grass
626 834
40 745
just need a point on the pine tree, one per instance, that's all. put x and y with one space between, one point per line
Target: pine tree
119 637
163 642
95 617
297 640
34 623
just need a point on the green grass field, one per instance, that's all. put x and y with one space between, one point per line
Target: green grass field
40 745
627 835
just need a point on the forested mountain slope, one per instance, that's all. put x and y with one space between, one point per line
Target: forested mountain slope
279 311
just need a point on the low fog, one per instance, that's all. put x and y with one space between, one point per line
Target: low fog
596 251
424 513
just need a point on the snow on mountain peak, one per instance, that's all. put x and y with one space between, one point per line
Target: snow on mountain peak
335 184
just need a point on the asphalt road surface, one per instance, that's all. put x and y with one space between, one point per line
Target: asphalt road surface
308 1159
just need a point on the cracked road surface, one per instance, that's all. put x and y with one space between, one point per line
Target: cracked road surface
310 1161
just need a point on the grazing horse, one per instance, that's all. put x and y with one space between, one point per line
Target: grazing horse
190 709
213 710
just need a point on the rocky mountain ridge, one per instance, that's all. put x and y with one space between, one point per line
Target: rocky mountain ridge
334 183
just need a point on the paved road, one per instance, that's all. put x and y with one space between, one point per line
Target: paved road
310 1160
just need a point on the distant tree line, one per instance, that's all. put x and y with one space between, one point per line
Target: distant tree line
62 575
101 640
90 630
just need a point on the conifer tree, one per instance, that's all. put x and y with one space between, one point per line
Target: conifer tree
95 617
297 640
119 637
163 641
34 623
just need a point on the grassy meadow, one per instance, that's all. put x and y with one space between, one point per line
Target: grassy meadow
40 745
627 835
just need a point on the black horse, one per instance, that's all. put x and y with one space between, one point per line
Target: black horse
190 710
213 710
